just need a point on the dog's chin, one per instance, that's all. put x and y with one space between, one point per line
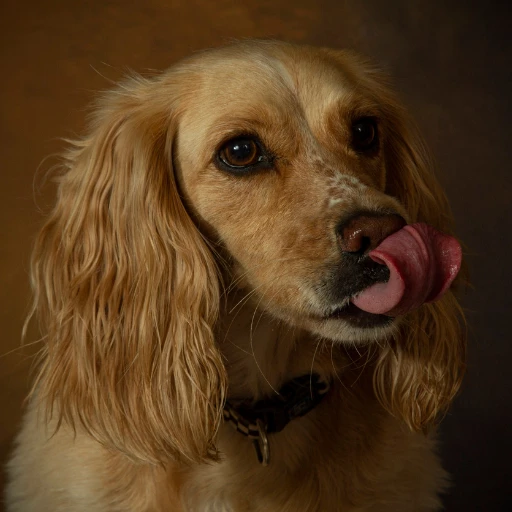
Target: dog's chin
344 332
349 324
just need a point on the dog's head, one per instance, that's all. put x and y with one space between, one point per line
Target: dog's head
259 161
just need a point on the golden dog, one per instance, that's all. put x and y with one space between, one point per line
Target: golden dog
201 260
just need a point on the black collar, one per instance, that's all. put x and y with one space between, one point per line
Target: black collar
257 419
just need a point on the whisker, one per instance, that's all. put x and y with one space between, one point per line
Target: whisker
234 282
362 369
251 339
311 369
334 367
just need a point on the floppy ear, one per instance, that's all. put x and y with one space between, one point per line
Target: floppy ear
127 291
420 371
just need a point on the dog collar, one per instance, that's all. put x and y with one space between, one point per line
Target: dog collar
257 419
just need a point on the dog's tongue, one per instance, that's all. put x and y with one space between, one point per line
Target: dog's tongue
422 263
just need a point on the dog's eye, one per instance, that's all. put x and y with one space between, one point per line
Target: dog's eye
365 136
241 153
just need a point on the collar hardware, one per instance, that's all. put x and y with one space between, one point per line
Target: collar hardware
261 445
257 419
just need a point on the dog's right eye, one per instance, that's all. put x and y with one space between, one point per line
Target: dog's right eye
242 154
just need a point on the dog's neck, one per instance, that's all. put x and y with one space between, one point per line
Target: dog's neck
262 352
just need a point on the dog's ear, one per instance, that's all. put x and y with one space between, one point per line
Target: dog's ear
421 370
127 290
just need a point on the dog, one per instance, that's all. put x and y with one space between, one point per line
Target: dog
198 284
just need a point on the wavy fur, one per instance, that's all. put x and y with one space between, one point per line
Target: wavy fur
127 291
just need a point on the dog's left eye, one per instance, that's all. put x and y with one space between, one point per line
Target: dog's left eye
241 153
365 135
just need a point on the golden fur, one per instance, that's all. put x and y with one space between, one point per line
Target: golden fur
164 285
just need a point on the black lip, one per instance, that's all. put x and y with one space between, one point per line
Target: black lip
359 318
351 275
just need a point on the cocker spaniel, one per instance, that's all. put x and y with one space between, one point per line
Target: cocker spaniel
245 294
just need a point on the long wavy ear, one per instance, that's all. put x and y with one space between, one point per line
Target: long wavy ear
127 291
420 371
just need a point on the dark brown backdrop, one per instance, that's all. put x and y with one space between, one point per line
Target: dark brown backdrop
452 65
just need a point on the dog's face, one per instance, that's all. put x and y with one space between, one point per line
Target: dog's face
275 154
293 162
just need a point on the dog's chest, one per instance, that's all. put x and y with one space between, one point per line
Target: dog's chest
239 483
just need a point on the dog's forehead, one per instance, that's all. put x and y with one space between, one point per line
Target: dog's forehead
305 77
283 90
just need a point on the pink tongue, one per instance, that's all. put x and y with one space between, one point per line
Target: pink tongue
422 263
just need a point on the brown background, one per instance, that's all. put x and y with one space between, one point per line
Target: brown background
452 64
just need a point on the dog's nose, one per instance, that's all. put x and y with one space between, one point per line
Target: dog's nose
365 231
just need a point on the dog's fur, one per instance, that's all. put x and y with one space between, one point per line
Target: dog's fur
165 285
